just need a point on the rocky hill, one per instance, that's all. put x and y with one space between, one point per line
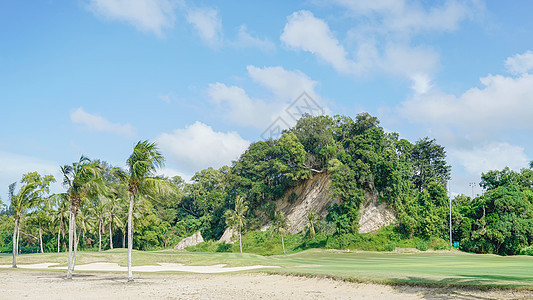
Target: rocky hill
313 194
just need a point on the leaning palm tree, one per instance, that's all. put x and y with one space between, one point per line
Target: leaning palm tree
80 179
280 225
141 179
236 218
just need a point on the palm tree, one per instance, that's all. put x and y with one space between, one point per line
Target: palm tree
312 219
113 216
60 215
236 218
140 177
80 179
99 211
280 226
28 197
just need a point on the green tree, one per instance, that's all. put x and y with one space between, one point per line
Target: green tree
81 179
236 218
312 220
429 162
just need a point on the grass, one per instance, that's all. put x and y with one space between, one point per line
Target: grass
428 269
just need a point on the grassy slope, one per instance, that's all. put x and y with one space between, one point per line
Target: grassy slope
439 269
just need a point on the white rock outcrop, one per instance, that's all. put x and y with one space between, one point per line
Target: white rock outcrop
374 215
228 237
192 240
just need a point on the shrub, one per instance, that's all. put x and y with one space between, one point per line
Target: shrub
421 245
527 251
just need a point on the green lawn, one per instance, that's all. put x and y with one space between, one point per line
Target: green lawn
439 269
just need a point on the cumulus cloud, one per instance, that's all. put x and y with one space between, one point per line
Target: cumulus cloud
97 123
381 40
520 63
207 23
198 146
494 156
284 85
146 15
502 103
306 32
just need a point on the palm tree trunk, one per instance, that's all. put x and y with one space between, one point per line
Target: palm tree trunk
76 241
41 237
240 239
283 243
100 236
15 248
18 240
58 238
71 228
130 236
110 236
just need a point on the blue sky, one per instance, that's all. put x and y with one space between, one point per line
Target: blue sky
204 79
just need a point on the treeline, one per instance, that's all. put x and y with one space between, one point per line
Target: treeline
359 156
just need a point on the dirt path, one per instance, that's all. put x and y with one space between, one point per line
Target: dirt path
19 284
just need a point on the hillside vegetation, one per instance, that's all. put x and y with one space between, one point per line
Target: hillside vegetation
355 160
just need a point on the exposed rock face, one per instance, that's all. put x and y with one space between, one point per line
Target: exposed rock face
193 240
313 194
374 215
228 236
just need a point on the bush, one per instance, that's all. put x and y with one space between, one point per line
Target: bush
527 251
421 245
389 247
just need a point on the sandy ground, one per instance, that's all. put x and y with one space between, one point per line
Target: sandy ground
29 284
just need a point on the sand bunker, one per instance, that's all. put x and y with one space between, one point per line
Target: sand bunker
161 267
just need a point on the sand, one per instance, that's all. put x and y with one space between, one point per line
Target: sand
43 284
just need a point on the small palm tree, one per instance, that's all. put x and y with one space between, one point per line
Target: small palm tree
312 219
141 179
236 218
281 226
81 179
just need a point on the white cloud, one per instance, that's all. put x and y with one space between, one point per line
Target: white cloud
306 32
146 15
494 156
246 40
98 123
198 146
207 23
410 17
502 103
520 63
286 86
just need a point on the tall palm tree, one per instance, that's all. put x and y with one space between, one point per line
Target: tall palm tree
113 216
236 218
80 179
60 215
141 179
280 225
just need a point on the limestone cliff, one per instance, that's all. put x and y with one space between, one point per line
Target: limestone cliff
373 215
313 194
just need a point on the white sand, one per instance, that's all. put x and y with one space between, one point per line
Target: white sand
162 267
